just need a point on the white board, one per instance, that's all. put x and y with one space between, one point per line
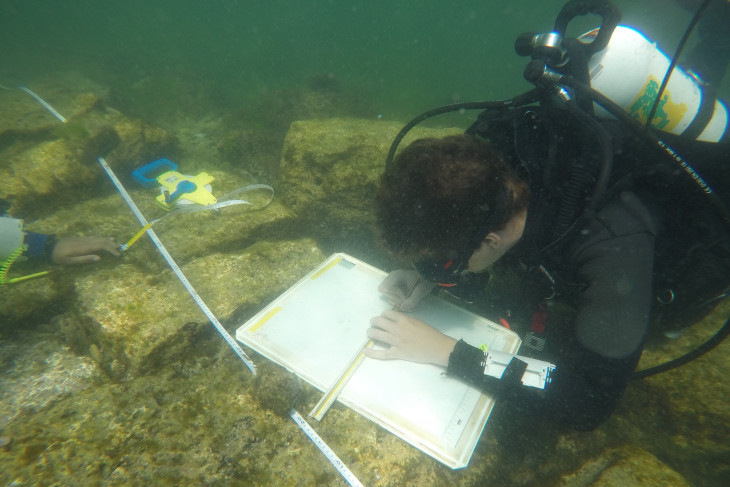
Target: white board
317 326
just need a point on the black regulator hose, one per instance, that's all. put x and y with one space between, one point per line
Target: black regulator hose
714 341
660 144
572 194
680 47
719 205
523 99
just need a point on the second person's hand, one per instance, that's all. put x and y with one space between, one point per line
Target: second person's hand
82 250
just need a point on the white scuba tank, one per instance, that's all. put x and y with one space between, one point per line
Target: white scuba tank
630 71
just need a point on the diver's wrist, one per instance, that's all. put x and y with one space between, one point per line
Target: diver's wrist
445 348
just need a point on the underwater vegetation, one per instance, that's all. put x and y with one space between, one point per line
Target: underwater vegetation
112 376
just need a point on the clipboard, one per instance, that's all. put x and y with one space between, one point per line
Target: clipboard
316 327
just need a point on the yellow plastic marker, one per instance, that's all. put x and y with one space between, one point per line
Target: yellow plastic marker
326 268
264 319
200 195
124 247
331 396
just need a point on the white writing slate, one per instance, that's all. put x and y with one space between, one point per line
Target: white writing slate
315 328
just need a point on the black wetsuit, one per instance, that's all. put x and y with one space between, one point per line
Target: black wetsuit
607 269
643 239
609 263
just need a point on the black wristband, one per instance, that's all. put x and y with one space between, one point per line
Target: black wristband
48 248
466 362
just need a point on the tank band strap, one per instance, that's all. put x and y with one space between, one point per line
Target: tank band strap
704 114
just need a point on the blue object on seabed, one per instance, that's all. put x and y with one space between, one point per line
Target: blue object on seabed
158 167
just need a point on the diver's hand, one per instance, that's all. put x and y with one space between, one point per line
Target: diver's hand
409 339
82 250
396 286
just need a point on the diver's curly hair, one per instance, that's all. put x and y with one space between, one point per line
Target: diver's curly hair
438 193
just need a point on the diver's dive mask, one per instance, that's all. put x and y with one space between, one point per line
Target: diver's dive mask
448 271
450 275
442 272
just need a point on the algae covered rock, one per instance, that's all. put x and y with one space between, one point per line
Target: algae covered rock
38 373
131 313
186 411
48 168
330 170
45 163
140 143
33 301
134 322
625 467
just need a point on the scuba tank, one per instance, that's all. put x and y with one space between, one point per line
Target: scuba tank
629 71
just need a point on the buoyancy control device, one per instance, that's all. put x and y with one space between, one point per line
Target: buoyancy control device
616 72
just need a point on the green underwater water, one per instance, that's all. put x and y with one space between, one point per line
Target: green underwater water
228 77
404 56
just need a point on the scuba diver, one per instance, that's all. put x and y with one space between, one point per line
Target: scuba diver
604 223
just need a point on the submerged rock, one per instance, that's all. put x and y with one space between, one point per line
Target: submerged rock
35 374
45 163
118 378
625 467
330 171
134 322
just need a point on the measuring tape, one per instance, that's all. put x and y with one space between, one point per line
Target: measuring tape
196 208
143 221
178 272
326 450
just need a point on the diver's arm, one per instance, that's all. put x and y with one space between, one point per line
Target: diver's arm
13 238
583 391
614 256
408 338
615 259
38 246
